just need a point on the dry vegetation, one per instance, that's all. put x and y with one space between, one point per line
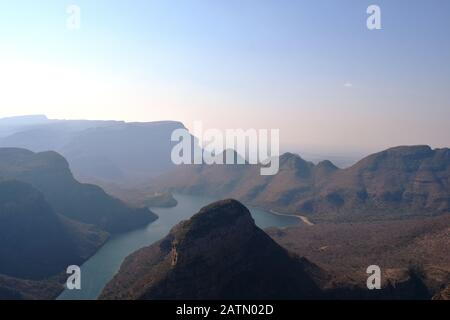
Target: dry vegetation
347 249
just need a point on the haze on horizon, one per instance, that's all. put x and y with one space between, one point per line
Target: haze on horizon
310 68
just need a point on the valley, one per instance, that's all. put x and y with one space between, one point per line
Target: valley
198 155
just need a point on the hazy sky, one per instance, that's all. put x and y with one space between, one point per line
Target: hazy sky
310 68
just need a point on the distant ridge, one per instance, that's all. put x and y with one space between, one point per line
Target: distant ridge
100 152
28 119
400 181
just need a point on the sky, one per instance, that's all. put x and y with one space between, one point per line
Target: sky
309 68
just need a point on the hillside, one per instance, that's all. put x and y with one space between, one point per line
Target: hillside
22 289
29 228
36 244
49 173
397 246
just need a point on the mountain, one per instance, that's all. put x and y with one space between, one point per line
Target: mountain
37 244
411 180
398 182
218 254
49 173
100 152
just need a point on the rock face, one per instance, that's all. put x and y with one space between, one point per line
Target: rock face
49 173
401 181
218 254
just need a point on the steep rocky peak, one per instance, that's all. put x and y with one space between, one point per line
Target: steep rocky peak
224 214
327 164
294 161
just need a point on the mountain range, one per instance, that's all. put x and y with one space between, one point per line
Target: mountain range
100 152
394 183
